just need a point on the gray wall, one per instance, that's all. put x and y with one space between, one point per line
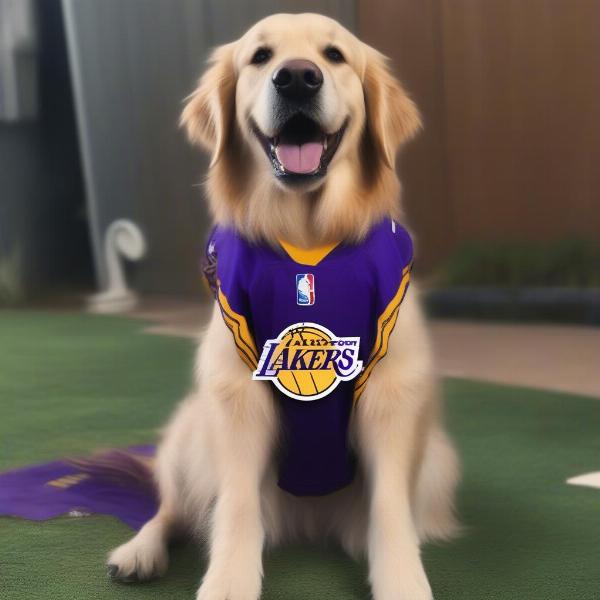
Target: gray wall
41 190
132 62
21 188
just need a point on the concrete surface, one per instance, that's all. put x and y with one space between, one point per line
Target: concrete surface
551 357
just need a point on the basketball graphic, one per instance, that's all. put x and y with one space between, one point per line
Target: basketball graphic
307 361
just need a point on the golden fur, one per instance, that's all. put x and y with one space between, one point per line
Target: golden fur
216 463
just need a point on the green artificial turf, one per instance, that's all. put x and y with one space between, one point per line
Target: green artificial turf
72 383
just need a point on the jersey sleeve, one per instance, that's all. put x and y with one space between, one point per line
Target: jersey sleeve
226 267
392 263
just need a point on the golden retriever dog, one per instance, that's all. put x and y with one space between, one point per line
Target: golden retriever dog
303 122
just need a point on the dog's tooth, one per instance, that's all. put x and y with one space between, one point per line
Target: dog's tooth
325 144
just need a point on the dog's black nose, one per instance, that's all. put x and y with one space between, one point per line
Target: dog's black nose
298 79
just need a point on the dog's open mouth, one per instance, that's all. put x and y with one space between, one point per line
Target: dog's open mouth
301 149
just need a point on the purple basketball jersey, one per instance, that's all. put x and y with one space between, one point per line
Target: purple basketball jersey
313 324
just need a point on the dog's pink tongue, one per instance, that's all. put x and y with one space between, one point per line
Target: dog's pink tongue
300 159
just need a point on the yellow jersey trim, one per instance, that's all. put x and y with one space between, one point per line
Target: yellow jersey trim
385 326
303 256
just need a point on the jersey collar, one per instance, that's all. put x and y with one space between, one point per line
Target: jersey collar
310 256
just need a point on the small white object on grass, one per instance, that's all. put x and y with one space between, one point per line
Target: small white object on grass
588 480
123 239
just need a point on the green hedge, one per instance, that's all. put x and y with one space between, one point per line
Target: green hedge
566 263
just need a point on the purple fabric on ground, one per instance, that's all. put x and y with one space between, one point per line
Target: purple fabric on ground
116 483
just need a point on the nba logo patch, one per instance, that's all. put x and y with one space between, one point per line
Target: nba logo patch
305 289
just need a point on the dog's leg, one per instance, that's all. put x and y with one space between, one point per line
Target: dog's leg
244 427
387 448
392 420
237 533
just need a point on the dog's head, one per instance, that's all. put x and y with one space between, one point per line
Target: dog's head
300 109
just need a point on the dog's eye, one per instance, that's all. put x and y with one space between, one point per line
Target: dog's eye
262 55
334 54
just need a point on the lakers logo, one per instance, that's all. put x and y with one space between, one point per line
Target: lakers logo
307 361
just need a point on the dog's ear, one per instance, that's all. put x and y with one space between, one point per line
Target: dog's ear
209 112
392 117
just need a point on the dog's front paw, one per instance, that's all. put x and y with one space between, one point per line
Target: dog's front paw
140 559
403 584
230 584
